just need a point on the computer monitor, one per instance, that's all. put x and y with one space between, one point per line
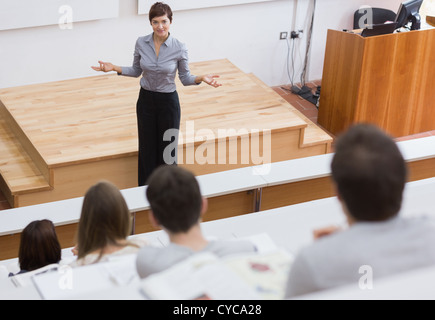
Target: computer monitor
409 13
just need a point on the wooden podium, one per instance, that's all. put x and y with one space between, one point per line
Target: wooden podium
386 80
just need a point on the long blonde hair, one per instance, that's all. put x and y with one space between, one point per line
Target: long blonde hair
105 219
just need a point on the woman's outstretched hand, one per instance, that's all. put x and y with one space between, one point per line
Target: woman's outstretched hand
105 67
210 79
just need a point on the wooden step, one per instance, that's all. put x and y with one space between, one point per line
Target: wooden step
313 134
18 173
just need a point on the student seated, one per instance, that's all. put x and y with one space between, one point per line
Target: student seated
369 174
39 246
177 207
104 225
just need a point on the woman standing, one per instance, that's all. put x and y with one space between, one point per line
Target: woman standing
157 57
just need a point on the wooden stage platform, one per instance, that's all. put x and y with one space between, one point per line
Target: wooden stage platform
59 138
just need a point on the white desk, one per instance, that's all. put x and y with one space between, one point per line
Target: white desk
64 212
418 149
232 181
68 211
298 170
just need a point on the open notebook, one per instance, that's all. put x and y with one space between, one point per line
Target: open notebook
206 277
253 276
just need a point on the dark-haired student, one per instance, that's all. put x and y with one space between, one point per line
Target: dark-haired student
177 207
369 174
39 246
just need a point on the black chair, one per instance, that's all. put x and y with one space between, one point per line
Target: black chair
380 15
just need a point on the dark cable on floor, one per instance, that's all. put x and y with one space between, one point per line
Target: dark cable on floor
306 92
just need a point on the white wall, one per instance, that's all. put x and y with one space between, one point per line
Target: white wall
248 35
30 13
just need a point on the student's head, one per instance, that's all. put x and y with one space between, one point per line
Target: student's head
39 246
105 219
175 198
160 9
369 172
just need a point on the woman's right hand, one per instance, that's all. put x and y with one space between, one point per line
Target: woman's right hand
105 67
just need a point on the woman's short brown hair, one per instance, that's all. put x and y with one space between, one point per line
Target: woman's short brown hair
39 246
160 9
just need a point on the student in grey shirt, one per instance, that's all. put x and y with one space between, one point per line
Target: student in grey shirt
369 173
157 57
177 207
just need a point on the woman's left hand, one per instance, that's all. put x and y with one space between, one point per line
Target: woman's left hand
210 79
